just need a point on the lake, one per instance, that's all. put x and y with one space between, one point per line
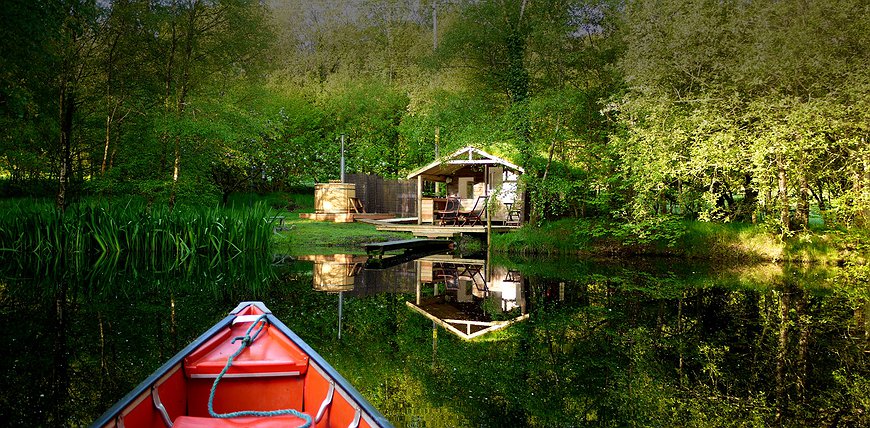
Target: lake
449 341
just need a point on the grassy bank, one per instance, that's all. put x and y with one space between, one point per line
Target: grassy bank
734 242
312 237
128 225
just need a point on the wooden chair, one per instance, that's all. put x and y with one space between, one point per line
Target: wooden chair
450 213
477 211
356 205
514 215
446 273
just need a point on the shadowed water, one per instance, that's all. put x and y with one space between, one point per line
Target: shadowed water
553 342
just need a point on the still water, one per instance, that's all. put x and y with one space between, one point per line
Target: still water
448 341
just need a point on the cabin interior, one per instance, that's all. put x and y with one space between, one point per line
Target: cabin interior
473 176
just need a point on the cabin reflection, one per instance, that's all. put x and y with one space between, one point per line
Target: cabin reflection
346 273
335 272
467 297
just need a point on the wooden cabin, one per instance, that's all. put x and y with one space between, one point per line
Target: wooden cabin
471 175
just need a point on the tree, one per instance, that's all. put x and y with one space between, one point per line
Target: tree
200 41
736 104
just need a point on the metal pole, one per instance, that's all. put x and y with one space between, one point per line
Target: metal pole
342 158
340 304
434 25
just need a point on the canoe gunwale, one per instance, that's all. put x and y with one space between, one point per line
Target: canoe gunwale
342 386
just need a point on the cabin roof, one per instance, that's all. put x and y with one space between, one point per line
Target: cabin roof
447 166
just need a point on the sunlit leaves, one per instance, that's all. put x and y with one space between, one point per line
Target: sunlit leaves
739 93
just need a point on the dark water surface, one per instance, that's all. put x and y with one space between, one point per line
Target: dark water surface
646 343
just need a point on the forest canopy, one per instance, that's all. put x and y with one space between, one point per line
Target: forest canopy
624 110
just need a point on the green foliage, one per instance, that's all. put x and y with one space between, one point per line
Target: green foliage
626 112
368 113
134 227
664 231
301 200
673 236
722 113
549 238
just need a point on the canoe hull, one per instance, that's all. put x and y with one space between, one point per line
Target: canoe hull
276 371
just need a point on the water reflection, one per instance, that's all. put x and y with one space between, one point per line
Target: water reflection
468 297
81 332
651 343
335 272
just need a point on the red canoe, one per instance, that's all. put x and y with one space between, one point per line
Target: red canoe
273 379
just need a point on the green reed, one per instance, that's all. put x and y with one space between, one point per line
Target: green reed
115 227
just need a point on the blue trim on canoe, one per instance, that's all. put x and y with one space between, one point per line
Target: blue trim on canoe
112 413
243 305
364 405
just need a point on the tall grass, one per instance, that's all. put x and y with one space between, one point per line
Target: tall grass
113 227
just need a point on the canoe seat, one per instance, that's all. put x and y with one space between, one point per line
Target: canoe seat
282 421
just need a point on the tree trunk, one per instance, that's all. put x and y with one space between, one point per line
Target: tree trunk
106 148
803 343
175 169
864 207
680 336
781 353
60 385
183 87
750 199
67 106
784 217
820 195
802 214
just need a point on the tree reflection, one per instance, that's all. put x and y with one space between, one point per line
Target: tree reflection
612 344
83 333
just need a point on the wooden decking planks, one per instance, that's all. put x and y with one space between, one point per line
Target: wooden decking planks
431 231
379 248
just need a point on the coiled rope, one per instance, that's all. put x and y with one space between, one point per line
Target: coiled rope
247 340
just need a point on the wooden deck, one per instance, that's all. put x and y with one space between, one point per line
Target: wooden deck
431 231
345 217
377 249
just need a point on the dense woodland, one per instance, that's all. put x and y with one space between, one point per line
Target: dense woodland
623 110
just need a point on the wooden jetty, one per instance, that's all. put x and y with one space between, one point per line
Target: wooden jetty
412 249
377 249
434 231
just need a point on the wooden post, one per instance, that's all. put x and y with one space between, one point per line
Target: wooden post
486 207
437 154
419 278
419 199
